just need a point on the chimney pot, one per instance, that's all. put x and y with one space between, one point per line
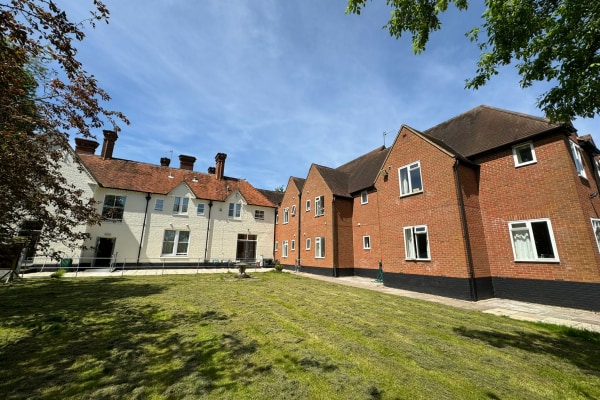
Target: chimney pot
85 146
110 137
186 162
212 170
165 161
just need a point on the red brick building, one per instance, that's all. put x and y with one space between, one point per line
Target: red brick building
489 203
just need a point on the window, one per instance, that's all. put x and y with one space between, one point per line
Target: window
32 230
259 214
158 204
246 247
410 179
293 210
286 217
596 229
533 240
597 162
284 249
113 208
276 246
235 211
175 243
276 217
319 247
200 209
307 205
180 206
319 206
293 245
416 242
366 242
307 243
576 150
524 154
364 197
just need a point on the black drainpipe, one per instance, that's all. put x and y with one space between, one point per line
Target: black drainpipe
148 197
465 232
210 204
298 246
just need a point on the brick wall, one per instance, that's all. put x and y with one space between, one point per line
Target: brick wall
366 223
288 231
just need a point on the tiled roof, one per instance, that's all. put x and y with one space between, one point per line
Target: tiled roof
148 178
485 128
336 180
299 182
273 196
363 170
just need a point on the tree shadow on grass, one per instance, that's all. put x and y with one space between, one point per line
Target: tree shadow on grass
581 348
84 339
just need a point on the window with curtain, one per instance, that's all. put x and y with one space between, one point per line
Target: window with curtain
416 242
410 179
533 240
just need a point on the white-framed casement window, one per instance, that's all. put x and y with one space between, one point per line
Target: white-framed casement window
276 218
410 179
577 158
159 204
286 215
366 242
319 206
307 243
307 205
524 154
320 247
200 209
180 206
293 246
284 249
364 197
276 246
596 229
113 208
416 242
259 214
175 243
235 211
533 240
293 210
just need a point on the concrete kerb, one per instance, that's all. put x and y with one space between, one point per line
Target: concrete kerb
580 319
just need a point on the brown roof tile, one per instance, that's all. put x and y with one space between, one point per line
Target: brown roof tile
485 128
148 178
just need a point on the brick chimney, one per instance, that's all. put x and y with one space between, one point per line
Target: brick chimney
220 165
165 161
110 137
186 162
212 170
85 146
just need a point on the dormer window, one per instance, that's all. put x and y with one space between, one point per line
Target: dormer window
180 206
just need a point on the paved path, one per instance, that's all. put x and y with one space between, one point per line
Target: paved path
575 318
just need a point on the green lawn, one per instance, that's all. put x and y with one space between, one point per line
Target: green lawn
276 336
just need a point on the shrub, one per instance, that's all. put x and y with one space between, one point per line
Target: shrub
278 266
58 273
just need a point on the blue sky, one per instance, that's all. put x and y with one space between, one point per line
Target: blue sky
280 84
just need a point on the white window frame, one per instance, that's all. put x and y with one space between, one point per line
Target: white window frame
364 197
235 211
407 189
177 240
524 229
319 206
293 210
578 159
159 204
180 205
200 209
259 214
412 244
596 230
293 246
517 154
286 215
367 242
276 246
307 205
307 244
284 249
109 209
319 247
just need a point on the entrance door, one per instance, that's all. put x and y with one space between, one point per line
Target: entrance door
246 247
104 251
